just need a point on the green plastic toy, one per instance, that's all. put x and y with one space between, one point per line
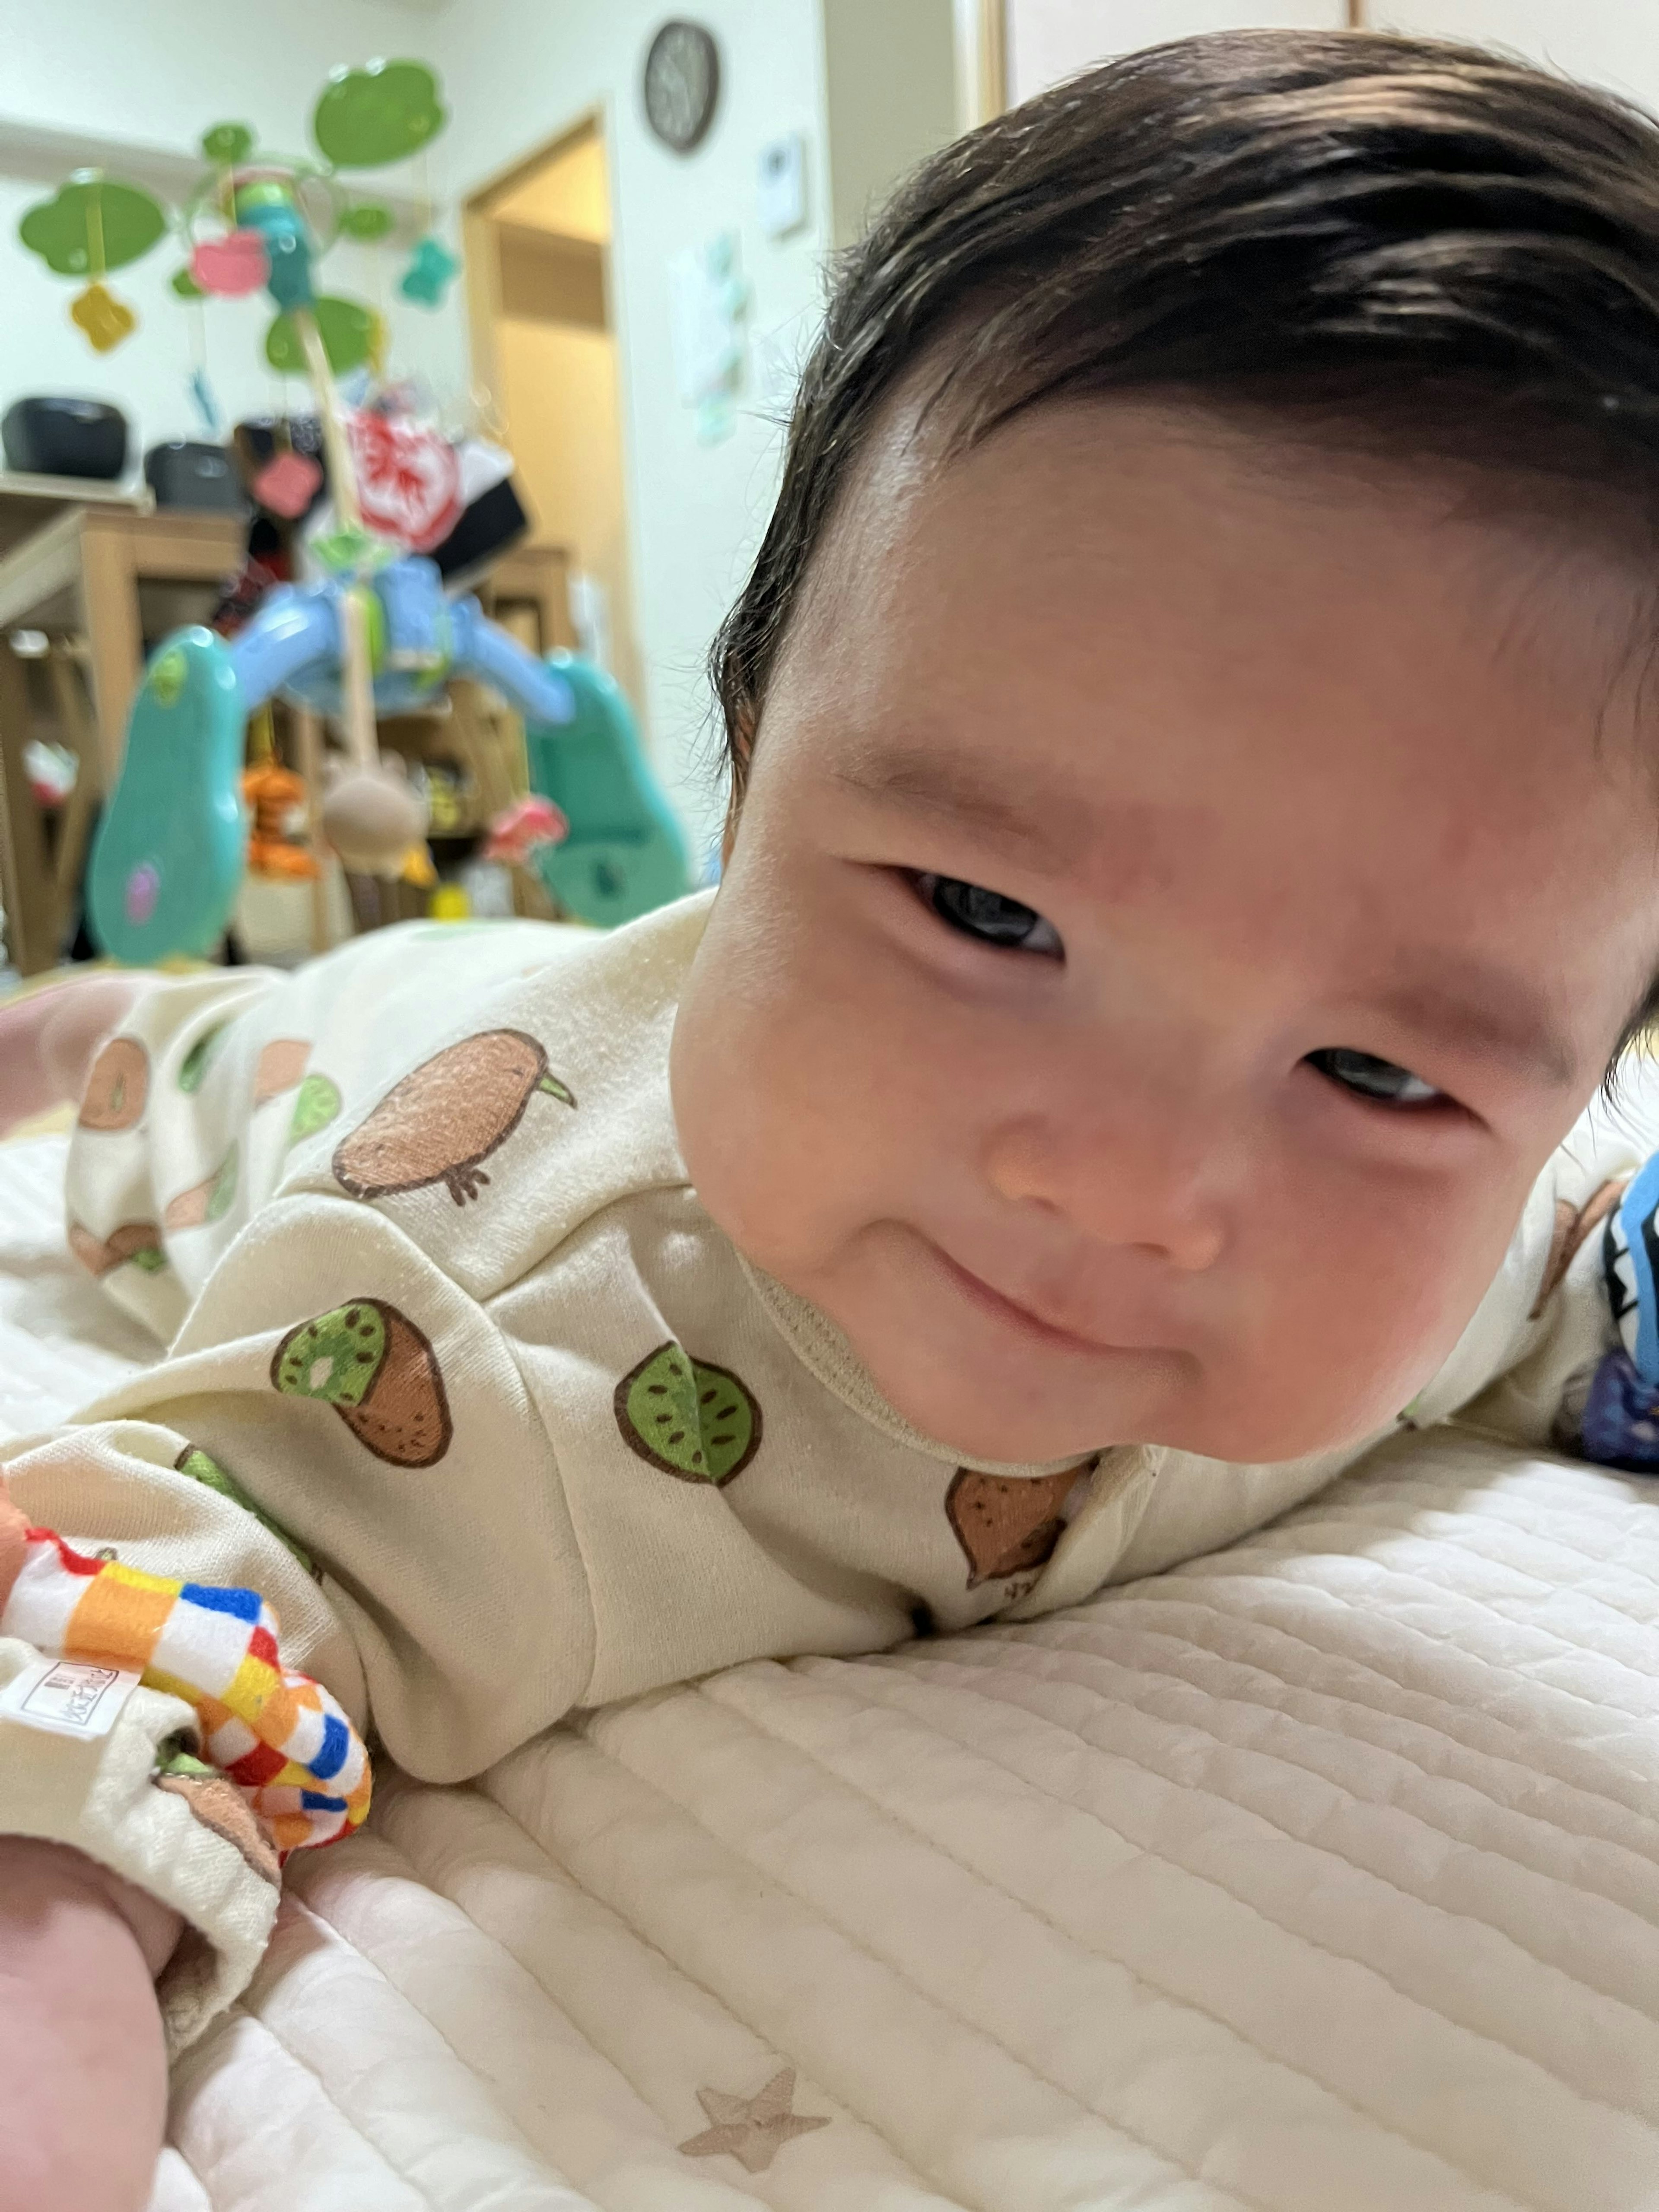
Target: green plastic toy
624 854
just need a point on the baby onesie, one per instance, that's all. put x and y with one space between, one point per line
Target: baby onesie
473 1417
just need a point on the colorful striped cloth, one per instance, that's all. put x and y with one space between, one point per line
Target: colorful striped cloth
278 1735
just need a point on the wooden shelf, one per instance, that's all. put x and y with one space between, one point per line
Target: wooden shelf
79 491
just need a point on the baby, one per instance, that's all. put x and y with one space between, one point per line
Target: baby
1191 865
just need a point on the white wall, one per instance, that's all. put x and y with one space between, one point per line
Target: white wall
151 81
163 71
1607 42
1049 39
519 72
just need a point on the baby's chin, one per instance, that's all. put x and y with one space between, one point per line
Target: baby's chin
1145 1398
989 1390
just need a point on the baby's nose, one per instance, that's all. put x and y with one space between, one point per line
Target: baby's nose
1153 1185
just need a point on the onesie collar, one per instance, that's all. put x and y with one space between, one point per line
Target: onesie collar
822 1348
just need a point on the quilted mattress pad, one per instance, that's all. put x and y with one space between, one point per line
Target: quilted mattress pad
1318 1876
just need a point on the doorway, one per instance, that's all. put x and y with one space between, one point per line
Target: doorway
544 345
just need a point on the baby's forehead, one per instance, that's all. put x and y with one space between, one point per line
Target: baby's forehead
947 527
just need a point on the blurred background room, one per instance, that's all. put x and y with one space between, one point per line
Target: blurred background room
562 259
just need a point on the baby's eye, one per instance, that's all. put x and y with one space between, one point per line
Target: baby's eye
989 916
1363 1073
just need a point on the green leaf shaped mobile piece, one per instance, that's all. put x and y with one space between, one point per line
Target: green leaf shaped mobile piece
350 334
367 117
366 220
226 144
92 225
185 285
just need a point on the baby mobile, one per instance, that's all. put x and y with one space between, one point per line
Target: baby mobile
374 631
259 220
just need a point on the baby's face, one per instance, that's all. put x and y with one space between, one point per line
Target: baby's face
1183 896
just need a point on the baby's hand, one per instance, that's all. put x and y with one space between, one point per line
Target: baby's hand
82 2065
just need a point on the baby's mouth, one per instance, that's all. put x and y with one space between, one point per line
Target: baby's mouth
1030 1320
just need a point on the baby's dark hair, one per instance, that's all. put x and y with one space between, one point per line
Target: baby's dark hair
1417 248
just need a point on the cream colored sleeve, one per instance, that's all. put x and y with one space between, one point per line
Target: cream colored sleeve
343 1431
1523 1368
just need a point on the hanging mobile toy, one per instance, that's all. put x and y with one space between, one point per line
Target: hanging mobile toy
90 225
374 633
275 799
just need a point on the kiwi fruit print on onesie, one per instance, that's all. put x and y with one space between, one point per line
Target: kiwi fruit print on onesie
379 1374
279 1066
117 1087
316 1104
447 1116
1007 1524
282 1067
201 1467
219 1805
694 1421
207 1202
138 1242
195 1064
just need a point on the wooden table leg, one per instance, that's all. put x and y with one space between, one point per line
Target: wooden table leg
109 595
80 808
26 883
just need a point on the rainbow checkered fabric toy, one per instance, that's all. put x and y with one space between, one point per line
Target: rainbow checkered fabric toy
278 1735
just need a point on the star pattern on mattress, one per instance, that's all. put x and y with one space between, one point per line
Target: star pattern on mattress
753 2130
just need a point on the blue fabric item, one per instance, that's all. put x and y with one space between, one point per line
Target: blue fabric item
1637 1234
332 1755
1620 1424
243 1604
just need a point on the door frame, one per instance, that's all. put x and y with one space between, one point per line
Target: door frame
480 252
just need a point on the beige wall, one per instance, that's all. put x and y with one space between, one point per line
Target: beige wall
1047 39
557 376
1607 42
560 396
890 96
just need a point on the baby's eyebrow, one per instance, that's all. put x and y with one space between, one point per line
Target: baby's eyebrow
1048 838
1467 1002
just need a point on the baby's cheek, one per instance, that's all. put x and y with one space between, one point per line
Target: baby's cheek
769 1126
1383 1292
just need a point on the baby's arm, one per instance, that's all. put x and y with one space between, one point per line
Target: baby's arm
344 1435
48 1039
111 1842
82 2056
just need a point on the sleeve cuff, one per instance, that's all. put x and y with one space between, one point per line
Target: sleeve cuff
131 1801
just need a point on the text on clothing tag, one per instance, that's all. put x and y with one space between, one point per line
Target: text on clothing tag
68 1697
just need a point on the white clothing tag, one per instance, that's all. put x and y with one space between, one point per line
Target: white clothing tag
68 1697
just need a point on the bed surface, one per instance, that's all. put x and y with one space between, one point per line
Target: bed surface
1320 1875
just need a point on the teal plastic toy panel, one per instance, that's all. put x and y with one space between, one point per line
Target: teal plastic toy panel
167 858
625 854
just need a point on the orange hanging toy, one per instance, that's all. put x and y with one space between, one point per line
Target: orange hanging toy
275 799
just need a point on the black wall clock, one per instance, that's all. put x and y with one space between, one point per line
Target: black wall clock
682 83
